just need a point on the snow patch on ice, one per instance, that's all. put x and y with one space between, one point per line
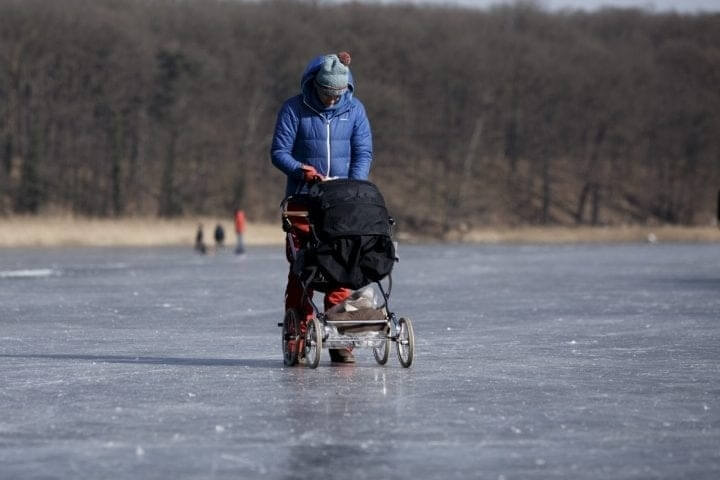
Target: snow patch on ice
28 273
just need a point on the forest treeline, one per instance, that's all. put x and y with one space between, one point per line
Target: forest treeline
511 115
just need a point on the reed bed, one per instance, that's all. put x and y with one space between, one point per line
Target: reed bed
142 232
70 231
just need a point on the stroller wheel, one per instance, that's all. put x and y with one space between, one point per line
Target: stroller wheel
313 343
405 342
290 337
382 352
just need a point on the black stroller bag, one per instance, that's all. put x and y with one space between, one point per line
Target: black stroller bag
352 244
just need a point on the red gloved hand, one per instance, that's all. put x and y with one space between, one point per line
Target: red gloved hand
310 175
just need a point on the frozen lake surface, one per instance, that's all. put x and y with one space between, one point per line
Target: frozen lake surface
531 362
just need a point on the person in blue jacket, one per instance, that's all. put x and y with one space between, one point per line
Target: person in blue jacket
320 134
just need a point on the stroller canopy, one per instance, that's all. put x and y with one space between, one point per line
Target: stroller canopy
352 246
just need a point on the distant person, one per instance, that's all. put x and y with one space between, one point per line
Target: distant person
321 133
199 242
239 231
219 236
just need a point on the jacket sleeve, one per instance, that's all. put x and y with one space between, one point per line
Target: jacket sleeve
283 141
361 146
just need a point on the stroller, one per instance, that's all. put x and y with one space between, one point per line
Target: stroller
350 246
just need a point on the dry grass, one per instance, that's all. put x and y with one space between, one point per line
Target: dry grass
60 231
54 231
616 234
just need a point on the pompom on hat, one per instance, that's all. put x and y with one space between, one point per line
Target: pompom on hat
344 58
333 73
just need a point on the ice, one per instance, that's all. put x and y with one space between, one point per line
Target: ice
531 362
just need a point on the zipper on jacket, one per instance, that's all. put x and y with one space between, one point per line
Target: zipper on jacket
327 143
327 133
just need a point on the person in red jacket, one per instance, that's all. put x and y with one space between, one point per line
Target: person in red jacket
240 231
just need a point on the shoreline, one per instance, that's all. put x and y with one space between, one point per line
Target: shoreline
67 231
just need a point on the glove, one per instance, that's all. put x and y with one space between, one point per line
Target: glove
310 175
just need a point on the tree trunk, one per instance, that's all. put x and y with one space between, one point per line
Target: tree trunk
116 154
546 190
29 192
169 205
466 170
579 212
595 215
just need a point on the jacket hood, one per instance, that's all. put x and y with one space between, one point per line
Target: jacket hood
309 74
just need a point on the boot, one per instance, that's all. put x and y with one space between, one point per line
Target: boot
341 355
301 341
301 352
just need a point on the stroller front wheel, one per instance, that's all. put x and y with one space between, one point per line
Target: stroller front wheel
405 342
382 352
313 343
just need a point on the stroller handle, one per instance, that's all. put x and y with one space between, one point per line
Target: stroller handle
295 213
294 202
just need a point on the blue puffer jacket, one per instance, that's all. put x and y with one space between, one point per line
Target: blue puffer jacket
335 140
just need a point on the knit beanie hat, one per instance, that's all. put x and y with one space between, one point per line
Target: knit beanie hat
333 73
